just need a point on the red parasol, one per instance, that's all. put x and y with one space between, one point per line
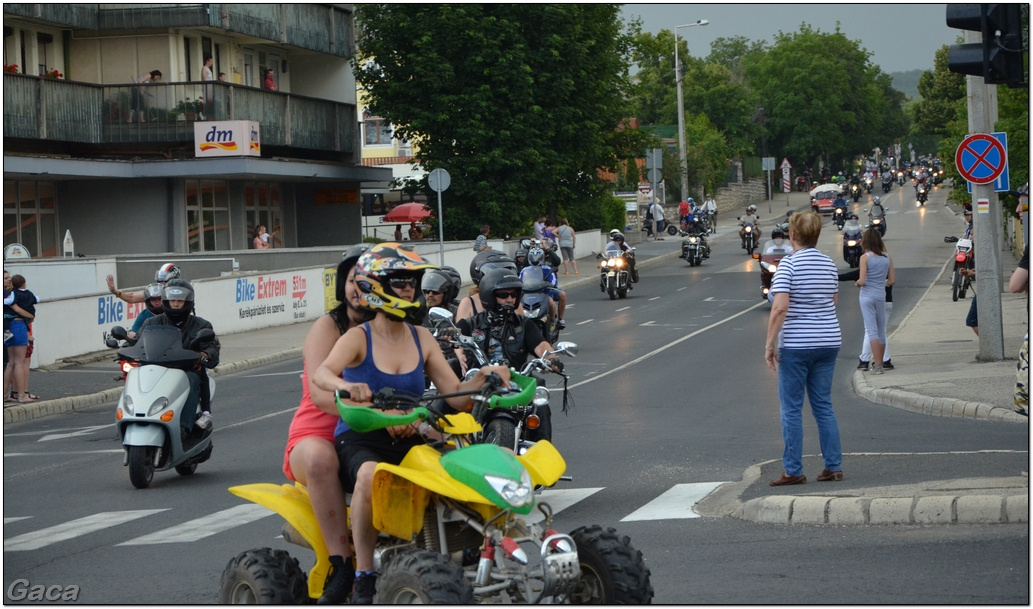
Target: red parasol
407 212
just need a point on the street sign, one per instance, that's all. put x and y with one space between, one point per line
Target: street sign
767 163
439 180
655 175
785 164
980 158
655 158
785 178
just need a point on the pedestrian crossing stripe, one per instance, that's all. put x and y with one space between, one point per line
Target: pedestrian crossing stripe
73 528
675 503
204 527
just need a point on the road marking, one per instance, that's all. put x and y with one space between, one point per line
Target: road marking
291 373
676 502
581 323
680 289
85 431
16 519
663 348
712 299
73 528
51 453
648 323
559 500
623 308
654 298
207 526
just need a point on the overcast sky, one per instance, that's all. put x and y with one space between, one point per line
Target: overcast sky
900 37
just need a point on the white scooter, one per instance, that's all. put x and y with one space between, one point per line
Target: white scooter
152 402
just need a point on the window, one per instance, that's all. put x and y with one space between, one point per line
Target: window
378 130
208 216
262 208
30 217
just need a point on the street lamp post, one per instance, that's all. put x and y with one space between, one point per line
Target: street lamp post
681 112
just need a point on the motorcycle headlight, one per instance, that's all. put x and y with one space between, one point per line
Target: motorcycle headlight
749 228
127 403
515 493
692 240
157 406
851 243
541 397
769 267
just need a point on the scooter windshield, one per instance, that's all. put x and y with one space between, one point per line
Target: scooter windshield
161 345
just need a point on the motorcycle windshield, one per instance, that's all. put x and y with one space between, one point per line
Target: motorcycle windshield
160 345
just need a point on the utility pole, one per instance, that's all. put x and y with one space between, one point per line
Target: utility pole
982 114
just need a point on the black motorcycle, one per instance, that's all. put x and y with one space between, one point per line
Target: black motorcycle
750 234
694 248
839 216
852 246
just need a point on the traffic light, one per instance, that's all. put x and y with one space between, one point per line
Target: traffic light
998 58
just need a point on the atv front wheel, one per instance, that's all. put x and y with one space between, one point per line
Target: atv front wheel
264 576
612 571
420 577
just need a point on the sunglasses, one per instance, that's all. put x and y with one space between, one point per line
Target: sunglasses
402 282
505 295
435 292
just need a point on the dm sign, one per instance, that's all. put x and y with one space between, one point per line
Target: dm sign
227 138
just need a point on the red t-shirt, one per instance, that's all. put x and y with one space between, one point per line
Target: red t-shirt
683 208
308 420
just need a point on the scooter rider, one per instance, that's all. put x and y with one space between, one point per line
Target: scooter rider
876 210
177 304
504 336
152 302
536 258
751 217
618 243
163 275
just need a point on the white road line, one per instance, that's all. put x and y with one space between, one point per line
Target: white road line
624 308
581 323
676 502
73 528
648 323
559 500
680 289
654 298
667 346
16 519
51 453
207 526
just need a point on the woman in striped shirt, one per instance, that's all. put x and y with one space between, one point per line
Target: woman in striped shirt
802 344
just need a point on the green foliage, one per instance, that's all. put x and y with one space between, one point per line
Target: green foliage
521 103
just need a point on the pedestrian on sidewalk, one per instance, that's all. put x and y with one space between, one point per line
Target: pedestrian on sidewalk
19 313
875 275
1019 283
802 344
567 240
658 215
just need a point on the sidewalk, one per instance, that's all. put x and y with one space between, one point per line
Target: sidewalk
936 374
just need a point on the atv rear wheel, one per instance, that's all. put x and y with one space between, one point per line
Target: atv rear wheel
263 576
612 571
420 577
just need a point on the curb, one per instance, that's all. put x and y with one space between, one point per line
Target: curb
939 407
27 412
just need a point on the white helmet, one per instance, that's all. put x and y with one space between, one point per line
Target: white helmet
751 208
614 232
875 200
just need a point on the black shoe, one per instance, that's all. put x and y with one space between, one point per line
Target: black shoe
863 365
887 365
365 589
338 585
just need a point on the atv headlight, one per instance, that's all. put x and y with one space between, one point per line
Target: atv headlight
515 493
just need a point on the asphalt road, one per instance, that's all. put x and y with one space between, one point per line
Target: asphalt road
672 398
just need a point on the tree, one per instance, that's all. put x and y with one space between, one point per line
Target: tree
523 104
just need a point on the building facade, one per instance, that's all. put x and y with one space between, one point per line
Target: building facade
127 165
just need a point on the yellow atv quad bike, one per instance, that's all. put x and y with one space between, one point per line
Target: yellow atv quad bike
451 528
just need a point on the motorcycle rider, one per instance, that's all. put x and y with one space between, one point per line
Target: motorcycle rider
557 297
389 351
152 302
177 303
618 243
438 288
777 245
876 209
504 336
751 217
163 275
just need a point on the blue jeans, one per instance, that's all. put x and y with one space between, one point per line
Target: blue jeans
810 370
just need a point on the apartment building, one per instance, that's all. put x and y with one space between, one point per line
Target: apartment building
132 165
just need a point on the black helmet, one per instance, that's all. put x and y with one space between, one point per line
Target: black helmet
153 291
616 235
852 216
457 282
167 272
778 233
177 289
498 279
348 260
439 281
494 257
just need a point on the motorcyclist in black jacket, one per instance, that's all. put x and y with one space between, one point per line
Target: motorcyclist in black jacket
178 305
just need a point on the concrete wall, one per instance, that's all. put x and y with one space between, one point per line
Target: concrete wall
69 326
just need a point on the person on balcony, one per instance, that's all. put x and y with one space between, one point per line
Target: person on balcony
269 84
137 94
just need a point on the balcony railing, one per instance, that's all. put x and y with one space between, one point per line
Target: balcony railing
63 111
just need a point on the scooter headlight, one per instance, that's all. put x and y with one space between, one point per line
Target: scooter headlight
156 407
541 397
127 403
515 493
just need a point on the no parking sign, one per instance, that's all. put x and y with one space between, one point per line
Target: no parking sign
981 158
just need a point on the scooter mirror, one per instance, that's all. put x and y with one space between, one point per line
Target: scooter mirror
203 335
111 343
119 332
